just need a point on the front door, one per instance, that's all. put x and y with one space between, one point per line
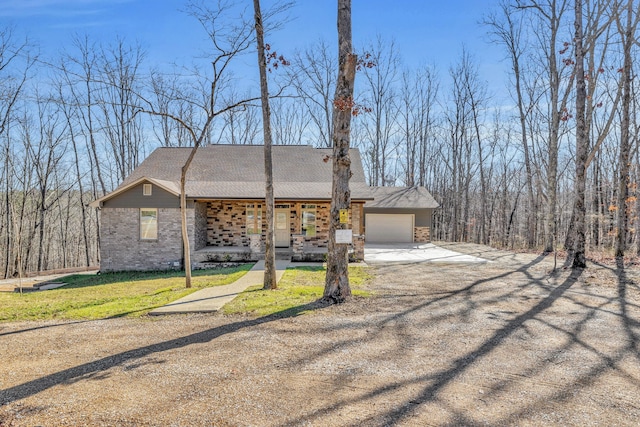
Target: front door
283 236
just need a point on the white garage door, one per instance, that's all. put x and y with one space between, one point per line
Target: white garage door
389 228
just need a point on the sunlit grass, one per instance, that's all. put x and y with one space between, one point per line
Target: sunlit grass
299 286
110 295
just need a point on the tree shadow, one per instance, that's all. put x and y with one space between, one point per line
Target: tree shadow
78 281
439 380
592 306
538 291
628 323
35 328
97 368
306 267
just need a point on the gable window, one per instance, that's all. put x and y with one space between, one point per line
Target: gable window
254 219
309 220
148 224
146 189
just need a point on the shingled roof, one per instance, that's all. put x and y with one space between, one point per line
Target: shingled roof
237 172
401 198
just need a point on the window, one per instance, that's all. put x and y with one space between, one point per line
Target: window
309 220
254 219
146 189
148 224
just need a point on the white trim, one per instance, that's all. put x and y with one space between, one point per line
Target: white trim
156 224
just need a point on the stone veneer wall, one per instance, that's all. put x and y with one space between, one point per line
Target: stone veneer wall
122 249
358 248
356 218
226 224
422 234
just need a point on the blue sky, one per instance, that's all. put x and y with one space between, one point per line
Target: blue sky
425 31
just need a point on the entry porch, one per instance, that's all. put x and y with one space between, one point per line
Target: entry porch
235 230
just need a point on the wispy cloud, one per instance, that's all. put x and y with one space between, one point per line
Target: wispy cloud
55 8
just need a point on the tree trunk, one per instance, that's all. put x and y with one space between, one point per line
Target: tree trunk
623 180
579 256
337 287
183 220
269 255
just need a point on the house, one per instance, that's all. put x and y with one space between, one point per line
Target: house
225 190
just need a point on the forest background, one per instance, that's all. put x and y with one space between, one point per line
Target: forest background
498 147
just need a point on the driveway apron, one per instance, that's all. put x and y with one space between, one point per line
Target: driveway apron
415 252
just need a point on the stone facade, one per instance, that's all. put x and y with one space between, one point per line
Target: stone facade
212 226
226 224
358 248
122 249
422 234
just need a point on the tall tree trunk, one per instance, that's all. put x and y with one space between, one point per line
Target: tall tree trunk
337 287
183 218
623 179
269 255
579 256
7 197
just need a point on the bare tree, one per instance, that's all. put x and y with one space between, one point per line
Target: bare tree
417 118
507 29
15 63
550 14
337 289
290 122
241 125
164 88
313 75
460 159
381 99
230 36
119 70
46 149
270 247
627 32
582 141
68 113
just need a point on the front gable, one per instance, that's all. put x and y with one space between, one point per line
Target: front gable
134 197
163 194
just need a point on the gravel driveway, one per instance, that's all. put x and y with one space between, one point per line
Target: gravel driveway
502 343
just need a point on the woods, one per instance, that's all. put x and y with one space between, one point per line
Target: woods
553 163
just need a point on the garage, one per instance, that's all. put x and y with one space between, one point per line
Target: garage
389 228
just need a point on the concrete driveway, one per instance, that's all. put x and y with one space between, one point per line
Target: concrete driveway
414 252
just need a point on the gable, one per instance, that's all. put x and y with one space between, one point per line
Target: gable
133 197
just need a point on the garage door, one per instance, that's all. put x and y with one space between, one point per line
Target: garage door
389 228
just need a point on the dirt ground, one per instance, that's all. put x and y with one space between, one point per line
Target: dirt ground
504 343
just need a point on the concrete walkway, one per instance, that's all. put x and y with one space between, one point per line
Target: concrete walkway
212 299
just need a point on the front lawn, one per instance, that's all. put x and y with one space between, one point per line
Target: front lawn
299 286
111 294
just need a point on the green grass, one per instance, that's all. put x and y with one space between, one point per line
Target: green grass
110 295
298 287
